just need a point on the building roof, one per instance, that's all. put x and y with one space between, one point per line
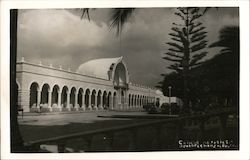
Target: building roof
98 67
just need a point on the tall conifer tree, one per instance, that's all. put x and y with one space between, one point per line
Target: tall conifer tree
186 48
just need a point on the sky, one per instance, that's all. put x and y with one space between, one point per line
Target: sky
61 38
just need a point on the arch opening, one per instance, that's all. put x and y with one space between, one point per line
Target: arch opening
64 97
87 94
80 95
45 94
99 99
120 76
72 97
55 96
122 97
33 95
93 98
129 100
109 100
114 100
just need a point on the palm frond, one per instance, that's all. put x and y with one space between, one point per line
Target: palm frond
85 11
119 16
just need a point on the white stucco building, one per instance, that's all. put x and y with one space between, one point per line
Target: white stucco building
97 84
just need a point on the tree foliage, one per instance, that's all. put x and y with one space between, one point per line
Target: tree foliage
217 79
225 71
187 40
186 48
229 40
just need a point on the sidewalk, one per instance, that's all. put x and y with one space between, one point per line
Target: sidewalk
62 118
77 112
56 113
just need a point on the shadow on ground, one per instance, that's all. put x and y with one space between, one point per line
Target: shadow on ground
36 132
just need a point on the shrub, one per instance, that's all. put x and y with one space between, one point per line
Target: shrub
165 108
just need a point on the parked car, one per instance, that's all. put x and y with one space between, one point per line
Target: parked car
151 108
148 106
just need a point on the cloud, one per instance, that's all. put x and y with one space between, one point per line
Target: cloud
61 37
49 32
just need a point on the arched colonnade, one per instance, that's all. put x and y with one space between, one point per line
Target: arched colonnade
65 98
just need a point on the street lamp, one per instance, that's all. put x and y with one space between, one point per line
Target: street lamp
169 96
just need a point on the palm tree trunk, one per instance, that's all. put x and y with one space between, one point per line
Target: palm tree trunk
16 138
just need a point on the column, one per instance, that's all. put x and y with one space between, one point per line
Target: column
68 100
135 102
115 101
49 101
104 105
89 102
139 102
142 102
76 103
119 99
101 98
38 99
128 107
59 100
125 99
19 98
23 100
111 105
95 105
83 101
131 102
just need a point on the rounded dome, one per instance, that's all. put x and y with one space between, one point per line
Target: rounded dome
99 68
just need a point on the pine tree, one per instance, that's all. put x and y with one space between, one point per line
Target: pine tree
186 48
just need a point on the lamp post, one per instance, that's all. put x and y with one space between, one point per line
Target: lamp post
148 95
169 96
